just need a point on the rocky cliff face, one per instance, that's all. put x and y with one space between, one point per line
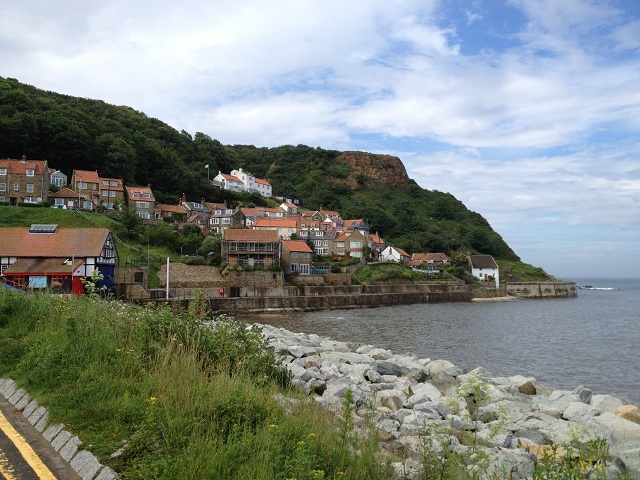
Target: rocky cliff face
374 170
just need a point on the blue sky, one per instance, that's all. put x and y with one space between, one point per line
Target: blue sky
528 111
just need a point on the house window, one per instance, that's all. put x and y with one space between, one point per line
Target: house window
304 268
16 187
326 243
215 221
112 193
3 187
82 185
356 245
105 183
142 204
294 254
146 195
113 183
59 201
233 246
226 221
3 171
2 199
251 246
30 172
136 195
144 215
29 200
105 193
339 244
295 267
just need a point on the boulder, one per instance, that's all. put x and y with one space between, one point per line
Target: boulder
622 430
606 403
580 412
584 393
628 412
385 367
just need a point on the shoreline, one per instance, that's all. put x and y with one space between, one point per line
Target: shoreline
407 391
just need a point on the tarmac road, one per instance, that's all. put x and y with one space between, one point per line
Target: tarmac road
24 453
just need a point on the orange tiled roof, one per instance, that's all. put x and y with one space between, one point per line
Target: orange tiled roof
430 257
232 178
297 246
141 191
64 192
262 181
88 176
19 167
66 242
243 235
43 266
118 187
402 252
275 222
163 207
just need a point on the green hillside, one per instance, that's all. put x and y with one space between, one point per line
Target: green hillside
120 142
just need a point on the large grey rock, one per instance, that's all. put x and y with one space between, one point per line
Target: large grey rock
584 393
606 403
580 412
385 367
557 402
629 453
622 430
437 366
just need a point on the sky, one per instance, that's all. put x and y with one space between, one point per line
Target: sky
528 111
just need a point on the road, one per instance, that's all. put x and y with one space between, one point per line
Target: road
24 453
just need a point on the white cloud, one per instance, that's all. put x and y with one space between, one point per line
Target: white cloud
325 72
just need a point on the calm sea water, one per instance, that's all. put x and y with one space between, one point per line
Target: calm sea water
592 340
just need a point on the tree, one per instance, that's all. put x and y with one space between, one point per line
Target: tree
211 248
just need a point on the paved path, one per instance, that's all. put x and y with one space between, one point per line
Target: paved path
24 453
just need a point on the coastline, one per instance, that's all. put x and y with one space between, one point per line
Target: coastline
407 391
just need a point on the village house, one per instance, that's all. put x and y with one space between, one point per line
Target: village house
197 212
64 198
296 257
228 182
322 241
284 227
376 245
289 208
85 184
142 201
394 254
429 261
252 184
350 244
48 257
222 217
111 192
250 247
170 213
24 181
485 268
250 216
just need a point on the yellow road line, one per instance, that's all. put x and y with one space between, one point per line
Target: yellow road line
25 450
5 468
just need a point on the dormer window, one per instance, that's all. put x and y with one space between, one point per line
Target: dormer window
136 194
30 172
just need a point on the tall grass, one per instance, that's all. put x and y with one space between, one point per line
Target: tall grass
174 398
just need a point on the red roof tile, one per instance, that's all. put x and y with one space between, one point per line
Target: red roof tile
87 176
297 246
66 242
19 167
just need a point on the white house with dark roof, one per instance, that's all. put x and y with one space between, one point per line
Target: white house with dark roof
484 267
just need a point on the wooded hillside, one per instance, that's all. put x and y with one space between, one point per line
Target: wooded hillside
117 141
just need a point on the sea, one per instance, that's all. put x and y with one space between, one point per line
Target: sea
592 340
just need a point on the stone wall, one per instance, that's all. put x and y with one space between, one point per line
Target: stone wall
541 290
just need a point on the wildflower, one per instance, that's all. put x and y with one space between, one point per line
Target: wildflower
273 425
312 435
300 443
152 399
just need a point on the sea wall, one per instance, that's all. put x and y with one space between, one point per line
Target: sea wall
542 290
307 297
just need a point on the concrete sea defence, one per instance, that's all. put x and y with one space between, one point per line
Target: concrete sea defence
402 393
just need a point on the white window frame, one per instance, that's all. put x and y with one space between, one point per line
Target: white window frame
31 172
